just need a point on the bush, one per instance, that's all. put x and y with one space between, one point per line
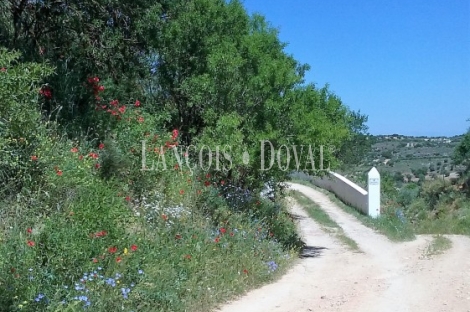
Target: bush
407 195
91 243
434 191
20 129
89 236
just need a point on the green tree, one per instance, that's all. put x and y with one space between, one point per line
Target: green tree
359 142
462 151
387 154
97 38
227 80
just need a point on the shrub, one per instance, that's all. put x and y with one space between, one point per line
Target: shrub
434 191
407 195
20 129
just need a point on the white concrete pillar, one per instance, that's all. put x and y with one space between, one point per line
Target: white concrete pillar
374 193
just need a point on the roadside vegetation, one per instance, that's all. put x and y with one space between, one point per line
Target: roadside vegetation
437 246
102 204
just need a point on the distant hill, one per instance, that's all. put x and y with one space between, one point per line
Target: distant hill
413 157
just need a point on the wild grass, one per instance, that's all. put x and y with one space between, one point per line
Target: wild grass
438 246
322 218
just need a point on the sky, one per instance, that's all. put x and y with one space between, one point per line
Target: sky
404 63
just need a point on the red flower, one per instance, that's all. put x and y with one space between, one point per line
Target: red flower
34 158
95 260
231 234
181 192
74 149
29 230
30 243
122 109
174 134
93 155
46 92
245 271
80 157
101 146
112 249
207 183
164 217
140 119
101 88
128 198
137 103
217 239
59 173
133 247
223 230
177 236
114 102
97 166
3 69
222 182
100 234
118 259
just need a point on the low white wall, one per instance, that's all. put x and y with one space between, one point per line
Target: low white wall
347 191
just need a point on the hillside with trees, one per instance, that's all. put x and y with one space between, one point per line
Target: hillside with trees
424 182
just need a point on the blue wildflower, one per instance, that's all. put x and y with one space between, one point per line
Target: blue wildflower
39 297
79 287
272 266
125 292
111 282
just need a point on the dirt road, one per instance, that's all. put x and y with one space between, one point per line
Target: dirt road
386 277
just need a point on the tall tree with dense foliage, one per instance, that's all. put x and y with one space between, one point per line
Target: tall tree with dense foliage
82 39
462 151
354 149
225 79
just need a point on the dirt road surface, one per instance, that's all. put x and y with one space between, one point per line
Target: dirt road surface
386 277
